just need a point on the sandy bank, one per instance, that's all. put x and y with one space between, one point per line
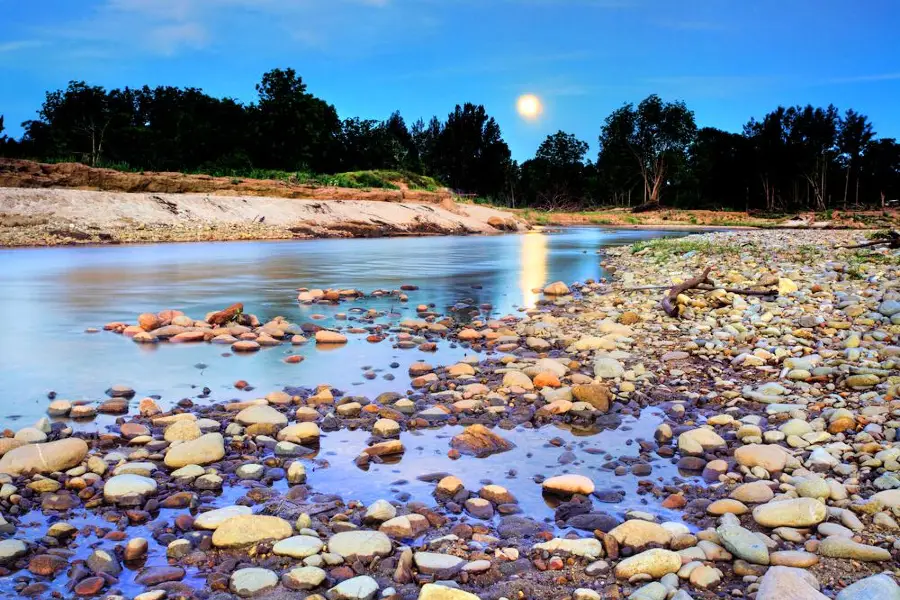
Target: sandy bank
39 217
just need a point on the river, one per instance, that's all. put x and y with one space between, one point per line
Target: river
50 296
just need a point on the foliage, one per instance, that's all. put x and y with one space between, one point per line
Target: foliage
793 158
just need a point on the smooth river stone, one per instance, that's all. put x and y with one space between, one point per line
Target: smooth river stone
360 544
797 512
245 530
298 546
204 450
213 518
44 458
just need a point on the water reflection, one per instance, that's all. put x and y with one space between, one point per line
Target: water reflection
51 295
533 266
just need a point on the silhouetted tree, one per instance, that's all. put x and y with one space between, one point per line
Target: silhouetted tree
294 129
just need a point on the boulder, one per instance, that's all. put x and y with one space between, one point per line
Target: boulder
48 457
788 583
655 563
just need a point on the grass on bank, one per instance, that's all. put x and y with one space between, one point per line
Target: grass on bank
661 250
374 179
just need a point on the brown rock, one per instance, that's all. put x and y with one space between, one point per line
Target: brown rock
478 440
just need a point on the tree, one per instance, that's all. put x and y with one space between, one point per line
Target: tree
812 136
425 140
73 121
555 177
718 166
855 135
294 129
880 169
470 154
657 134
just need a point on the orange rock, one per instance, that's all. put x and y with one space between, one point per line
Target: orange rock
674 501
546 379
841 424
149 321
294 359
224 316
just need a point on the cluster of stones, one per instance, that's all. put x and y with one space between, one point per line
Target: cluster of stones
781 416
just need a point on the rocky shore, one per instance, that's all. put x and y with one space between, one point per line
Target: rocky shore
778 409
53 217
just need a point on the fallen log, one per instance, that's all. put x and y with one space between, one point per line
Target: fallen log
891 238
702 282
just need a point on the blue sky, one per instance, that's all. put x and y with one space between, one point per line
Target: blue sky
728 59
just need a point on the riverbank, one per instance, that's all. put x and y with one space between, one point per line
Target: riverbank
49 217
766 467
698 219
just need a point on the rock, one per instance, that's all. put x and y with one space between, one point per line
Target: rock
841 547
448 486
768 456
517 379
568 485
743 543
305 433
655 563
363 545
89 586
326 337
213 518
786 583
874 587
755 492
799 512
204 450
135 549
638 533
608 368
442 566
49 457
478 440
357 588
590 548
100 561
151 576
386 428
253 581
405 526
380 511
132 489
303 578
595 394
12 549
793 558
182 431
557 288
698 441
298 546
260 414
245 530
431 591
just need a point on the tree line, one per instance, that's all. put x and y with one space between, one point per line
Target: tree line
650 154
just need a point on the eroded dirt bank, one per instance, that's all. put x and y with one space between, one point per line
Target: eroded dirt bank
46 217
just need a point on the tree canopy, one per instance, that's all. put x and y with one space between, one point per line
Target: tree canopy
649 154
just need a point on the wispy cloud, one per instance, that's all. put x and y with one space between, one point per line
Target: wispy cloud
865 78
19 45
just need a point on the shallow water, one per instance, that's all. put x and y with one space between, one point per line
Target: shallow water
51 295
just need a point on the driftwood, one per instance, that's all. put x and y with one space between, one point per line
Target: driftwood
701 282
892 240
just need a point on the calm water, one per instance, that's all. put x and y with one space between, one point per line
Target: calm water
51 295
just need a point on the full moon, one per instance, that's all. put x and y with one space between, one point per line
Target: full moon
529 106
